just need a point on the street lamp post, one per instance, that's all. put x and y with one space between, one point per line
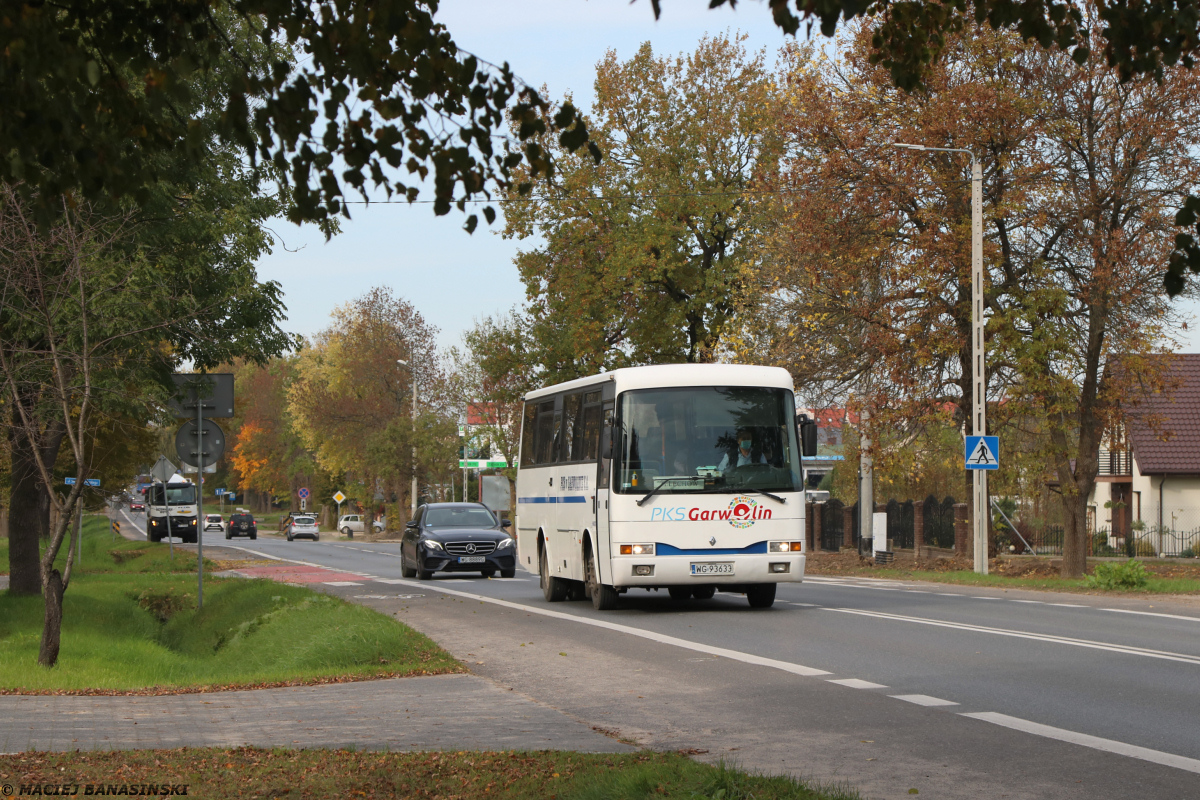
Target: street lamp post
412 371
978 388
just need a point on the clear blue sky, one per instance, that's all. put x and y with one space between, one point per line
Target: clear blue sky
451 276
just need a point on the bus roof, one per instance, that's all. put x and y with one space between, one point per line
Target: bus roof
672 375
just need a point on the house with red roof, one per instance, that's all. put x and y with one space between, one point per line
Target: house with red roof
1149 479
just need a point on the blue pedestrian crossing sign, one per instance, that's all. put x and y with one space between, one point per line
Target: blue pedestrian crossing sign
982 452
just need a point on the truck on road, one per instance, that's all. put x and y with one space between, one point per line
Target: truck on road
171 510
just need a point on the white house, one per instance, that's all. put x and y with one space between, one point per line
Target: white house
1153 476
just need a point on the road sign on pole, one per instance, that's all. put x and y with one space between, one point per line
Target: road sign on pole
303 494
163 469
482 463
982 452
339 498
86 481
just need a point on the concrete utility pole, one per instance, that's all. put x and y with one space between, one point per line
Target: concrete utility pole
979 384
412 372
866 486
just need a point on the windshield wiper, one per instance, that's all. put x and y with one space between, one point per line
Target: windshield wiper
663 482
734 489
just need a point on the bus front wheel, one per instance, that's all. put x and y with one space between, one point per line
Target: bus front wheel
761 595
604 597
553 589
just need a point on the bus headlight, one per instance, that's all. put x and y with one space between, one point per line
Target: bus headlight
785 547
637 549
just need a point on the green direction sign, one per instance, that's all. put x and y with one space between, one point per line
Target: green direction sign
480 463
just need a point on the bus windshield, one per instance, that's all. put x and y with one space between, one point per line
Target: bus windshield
178 494
707 439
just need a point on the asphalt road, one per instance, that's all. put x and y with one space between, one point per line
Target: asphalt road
888 686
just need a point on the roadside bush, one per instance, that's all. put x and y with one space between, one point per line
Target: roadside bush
164 604
1188 552
1130 575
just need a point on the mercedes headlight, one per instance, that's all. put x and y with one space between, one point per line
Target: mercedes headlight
432 544
505 543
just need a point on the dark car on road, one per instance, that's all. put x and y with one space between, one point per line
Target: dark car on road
457 537
241 524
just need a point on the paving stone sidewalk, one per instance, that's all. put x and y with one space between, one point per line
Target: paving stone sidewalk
439 712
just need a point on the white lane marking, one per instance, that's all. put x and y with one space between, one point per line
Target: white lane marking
917 591
855 683
1085 740
1031 602
341 583
1040 637
805 605
389 580
133 522
1152 614
979 597
699 647
953 594
1066 605
923 700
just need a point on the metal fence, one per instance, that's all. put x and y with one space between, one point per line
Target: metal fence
1151 542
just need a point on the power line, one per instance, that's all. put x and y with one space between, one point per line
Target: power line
613 198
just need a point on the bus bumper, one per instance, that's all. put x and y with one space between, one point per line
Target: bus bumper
651 571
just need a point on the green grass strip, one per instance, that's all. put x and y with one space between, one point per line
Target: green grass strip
130 623
249 772
1154 585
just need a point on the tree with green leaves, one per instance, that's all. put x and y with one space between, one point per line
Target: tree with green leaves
351 401
1081 172
1133 39
493 373
649 256
336 95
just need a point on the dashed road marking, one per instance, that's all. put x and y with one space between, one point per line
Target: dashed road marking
923 700
1086 740
341 583
1152 614
1067 605
1165 655
856 683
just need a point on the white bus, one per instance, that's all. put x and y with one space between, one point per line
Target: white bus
685 477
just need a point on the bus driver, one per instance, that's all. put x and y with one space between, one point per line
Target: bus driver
744 455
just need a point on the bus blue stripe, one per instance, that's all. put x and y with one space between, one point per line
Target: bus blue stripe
670 550
575 498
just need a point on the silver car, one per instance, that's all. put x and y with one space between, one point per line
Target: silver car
303 527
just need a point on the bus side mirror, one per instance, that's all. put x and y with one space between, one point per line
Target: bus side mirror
606 442
808 436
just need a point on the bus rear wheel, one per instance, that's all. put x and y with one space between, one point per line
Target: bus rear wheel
704 592
761 595
553 589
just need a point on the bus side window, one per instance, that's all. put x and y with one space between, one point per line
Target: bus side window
572 421
589 433
606 420
528 429
544 441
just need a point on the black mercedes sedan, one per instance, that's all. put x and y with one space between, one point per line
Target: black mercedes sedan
457 537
